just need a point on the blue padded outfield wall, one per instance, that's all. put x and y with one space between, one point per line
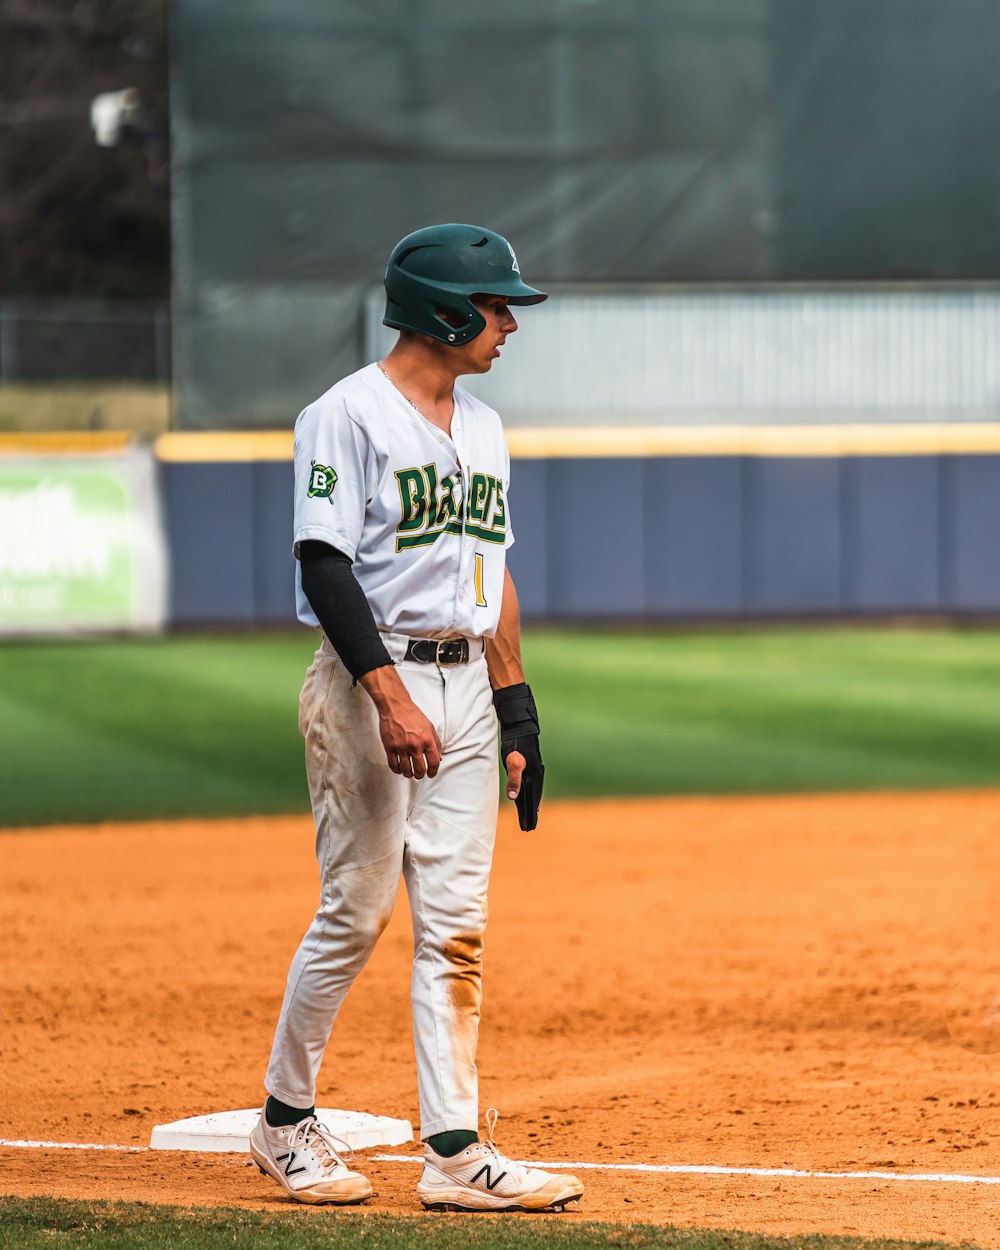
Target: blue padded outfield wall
646 537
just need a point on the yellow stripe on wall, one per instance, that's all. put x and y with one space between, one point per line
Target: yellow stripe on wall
611 441
68 443
592 442
756 440
225 445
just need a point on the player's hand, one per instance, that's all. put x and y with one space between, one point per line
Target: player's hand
520 750
525 776
412 747
514 764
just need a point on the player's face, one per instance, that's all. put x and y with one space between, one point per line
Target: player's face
485 347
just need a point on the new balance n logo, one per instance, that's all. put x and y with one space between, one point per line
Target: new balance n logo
490 1183
289 1170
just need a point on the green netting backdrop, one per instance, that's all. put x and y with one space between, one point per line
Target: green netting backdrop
614 141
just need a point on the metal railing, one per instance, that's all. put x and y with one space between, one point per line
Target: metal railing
754 354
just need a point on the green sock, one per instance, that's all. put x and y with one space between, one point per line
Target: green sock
279 1114
453 1142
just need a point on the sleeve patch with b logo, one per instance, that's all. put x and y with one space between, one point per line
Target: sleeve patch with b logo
322 480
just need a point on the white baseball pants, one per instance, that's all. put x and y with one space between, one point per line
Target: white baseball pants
372 825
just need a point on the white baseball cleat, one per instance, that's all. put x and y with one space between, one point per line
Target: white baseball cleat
303 1159
480 1178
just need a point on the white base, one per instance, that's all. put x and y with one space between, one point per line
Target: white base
230 1130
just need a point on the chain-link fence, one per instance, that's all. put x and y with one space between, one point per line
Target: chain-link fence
84 340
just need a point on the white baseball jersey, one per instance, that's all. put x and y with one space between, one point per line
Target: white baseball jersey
423 516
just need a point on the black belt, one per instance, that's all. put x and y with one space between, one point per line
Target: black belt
447 652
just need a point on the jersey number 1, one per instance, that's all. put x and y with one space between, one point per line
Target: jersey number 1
480 597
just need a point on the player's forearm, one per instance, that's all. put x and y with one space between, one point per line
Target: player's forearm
503 650
341 608
386 689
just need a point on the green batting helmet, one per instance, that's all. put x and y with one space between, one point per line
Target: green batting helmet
432 273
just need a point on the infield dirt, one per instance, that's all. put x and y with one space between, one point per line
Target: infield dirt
771 982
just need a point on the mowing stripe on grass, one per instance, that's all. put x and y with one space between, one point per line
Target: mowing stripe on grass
689 1169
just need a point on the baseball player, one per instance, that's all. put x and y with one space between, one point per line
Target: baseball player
401 531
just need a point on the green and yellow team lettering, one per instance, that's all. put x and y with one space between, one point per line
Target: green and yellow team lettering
413 499
429 508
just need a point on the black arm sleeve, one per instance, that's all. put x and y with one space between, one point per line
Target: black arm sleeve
341 608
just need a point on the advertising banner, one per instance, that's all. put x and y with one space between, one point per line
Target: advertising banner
81 544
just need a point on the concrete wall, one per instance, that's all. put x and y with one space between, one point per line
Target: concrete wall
647 537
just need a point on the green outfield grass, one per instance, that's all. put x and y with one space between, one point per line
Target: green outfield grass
207 725
769 711
35 1222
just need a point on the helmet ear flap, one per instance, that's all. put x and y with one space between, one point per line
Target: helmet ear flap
460 319
416 304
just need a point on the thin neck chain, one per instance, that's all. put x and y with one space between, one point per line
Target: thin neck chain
396 388
420 414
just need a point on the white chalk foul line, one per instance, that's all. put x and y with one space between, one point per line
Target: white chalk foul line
688 1169
69 1145
694 1169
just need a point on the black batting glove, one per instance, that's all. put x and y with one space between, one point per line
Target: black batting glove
518 716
